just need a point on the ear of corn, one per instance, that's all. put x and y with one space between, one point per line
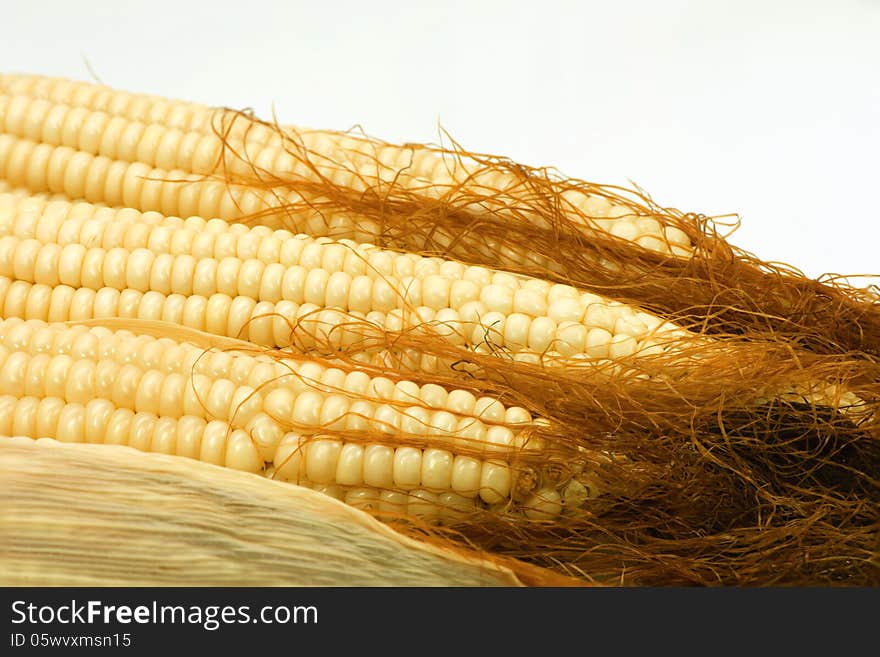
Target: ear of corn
441 452
230 280
44 168
171 136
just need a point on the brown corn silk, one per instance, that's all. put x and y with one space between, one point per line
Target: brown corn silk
698 459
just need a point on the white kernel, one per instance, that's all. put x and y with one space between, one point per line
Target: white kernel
571 338
407 467
321 460
544 504
379 466
423 504
454 507
495 482
437 469
366 499
393 502
288 459
307 408
598 343
542 331
433 396
565 309
530 302
677 237
350 465
466 473
242 453
498 298
622 346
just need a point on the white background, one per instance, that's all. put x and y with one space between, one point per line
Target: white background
768 109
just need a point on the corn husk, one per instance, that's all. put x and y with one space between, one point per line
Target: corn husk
97 515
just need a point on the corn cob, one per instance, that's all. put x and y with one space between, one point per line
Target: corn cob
139 107
191 138
361 164
79 175
228 280
256 371
372 441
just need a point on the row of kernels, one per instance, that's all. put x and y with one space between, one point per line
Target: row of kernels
100 421
161 141
219 314
404 360
621 221
651 234
128 274
93 224
137 107
128 386
505 293
193 117
601 212
188 377
475 324
12 196
518 332
181 115
332 461
263 323
155 144
145 351
591 205
167 355
151 353
436 283
250 281
42 167
61 208
358 407
142 269
115 137
446 507
89 225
